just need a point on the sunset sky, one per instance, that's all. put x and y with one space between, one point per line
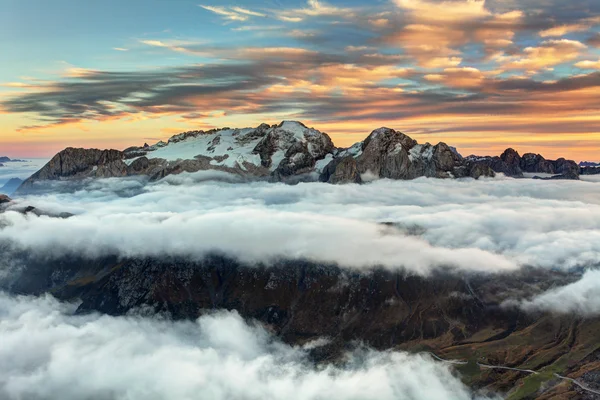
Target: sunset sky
479 75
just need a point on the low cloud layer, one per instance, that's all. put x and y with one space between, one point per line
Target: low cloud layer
581 298
494 226
490 225
21 170
47 353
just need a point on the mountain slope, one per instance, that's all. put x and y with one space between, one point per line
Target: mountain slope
290 152
454 317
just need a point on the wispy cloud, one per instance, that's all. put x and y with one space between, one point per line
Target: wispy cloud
233 13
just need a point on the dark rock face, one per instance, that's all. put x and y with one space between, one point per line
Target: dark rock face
145 166
341 170
291 152
77 164
566 167
510 163
456 317
511 157
299 300
302 148
478 170
4 199
536 163
387 153
589 171
298 160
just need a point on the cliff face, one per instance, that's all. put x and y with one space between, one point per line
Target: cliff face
287 152
78 164
455 317
292 152
512 164
387 153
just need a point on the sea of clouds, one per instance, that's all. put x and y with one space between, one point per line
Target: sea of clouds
485 226
21 170
493 226
46 352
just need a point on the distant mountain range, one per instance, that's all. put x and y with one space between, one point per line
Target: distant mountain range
4 159
585 164
292 152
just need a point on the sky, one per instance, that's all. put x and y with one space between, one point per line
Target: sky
482 75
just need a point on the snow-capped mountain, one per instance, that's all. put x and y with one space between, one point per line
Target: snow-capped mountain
288 152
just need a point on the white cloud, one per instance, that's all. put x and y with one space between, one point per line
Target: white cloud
581 298
233 13
487 225
48 353
21 170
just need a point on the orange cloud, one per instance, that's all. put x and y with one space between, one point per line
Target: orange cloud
436 30
465 77
588 64
445 11
562 30
548 54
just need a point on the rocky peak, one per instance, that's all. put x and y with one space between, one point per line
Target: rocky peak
511 158
512 164
291 148
384 138
290 151
4 199
77 163
387 153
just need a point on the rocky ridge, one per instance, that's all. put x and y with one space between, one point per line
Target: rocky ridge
454 317
291 152
512 164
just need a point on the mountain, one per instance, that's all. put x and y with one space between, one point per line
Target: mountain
589 168
291 152
4 159
454 317
11 186
512 164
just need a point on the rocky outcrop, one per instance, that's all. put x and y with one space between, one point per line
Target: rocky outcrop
387 153
340 171
510 163
4 159
7 203
291 152
589 171
455 317
77 164
301 148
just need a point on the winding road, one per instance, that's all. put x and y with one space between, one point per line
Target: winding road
529 371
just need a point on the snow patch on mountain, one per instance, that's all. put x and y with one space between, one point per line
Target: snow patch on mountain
229 148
